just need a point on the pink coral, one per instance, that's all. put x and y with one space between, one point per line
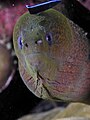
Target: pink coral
85 3
8 19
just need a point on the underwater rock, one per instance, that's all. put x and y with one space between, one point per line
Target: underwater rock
53 56
9 13
8 18
85 3
74 111
5 67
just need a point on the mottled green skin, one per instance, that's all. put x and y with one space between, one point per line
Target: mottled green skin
45 68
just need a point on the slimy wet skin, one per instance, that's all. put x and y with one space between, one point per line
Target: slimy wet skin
53 55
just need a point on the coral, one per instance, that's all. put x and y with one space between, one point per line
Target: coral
9 16
5 66
85 3
74 111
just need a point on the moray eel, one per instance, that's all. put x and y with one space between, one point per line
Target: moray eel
53 56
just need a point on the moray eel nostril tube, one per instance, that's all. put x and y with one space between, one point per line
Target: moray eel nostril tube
53 56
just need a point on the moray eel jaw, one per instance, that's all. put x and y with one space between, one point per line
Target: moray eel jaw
53 56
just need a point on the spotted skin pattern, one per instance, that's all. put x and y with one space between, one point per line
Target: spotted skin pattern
53 56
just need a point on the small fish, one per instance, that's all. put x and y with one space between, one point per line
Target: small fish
42 6
53 55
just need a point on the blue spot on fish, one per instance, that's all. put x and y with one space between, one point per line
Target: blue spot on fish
20 42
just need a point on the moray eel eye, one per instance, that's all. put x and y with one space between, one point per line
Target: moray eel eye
49 39
20 42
